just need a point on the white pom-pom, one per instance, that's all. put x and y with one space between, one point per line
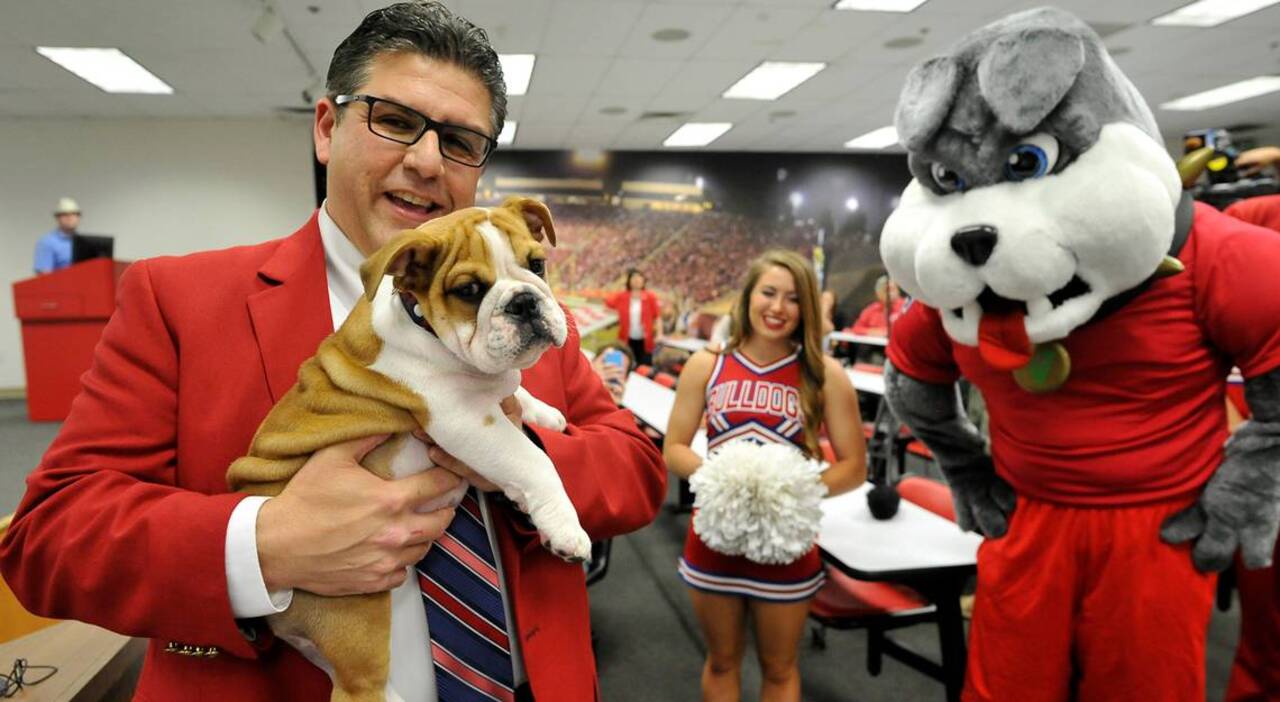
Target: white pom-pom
758 501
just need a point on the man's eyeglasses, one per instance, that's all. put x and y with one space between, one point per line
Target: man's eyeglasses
404 125
18 678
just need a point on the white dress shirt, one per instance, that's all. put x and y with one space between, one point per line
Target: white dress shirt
245 585
636 320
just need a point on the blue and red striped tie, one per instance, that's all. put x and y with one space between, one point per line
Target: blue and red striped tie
461 591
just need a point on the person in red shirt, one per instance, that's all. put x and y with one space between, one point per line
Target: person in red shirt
638 315
1255 674
878 317
128 524
1263 211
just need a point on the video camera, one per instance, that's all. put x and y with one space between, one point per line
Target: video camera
1222 183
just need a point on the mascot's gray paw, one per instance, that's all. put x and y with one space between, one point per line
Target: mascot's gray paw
984 501
1240 506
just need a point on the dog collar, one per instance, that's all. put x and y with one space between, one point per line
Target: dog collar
411 307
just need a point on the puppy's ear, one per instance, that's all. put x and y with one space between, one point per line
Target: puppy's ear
536 216
408 258
1024 76
926 99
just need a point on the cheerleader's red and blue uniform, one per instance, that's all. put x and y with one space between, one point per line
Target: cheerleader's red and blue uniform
762 403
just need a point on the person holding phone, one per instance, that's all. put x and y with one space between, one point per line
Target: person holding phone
613 363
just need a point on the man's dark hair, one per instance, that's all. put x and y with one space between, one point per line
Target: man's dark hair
426 28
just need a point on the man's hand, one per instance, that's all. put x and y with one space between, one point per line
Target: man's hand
338 529
1254 160
510 407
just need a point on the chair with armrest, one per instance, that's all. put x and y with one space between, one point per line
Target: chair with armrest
846 603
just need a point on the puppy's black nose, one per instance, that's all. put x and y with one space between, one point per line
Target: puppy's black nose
523 306
975 244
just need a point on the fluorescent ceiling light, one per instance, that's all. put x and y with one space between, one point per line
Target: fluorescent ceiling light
517 69
881 138
1235 92
772 79
1211 13
508 133
880 5
697 133
108 69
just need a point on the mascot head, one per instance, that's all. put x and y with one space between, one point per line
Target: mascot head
1041 186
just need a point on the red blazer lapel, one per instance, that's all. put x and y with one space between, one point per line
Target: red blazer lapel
291 317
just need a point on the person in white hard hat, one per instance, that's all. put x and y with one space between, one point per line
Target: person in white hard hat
53 251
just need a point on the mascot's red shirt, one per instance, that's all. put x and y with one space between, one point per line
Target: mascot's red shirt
1142 415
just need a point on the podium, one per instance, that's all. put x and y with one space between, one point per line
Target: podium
63 314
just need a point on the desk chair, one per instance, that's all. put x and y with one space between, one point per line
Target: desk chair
846 603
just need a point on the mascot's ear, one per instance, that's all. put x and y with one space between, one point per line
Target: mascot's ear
408 258
925 101
1023 77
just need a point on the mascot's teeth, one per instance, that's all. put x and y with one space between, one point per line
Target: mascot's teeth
972 312
1039 306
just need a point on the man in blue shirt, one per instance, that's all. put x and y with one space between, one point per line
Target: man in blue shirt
53 251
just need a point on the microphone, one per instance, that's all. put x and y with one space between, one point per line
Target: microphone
883 501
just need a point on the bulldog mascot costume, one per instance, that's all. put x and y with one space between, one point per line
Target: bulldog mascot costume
1056 264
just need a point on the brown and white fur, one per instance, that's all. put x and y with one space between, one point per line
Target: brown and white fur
441 361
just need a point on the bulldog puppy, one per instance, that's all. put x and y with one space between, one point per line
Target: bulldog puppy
452 312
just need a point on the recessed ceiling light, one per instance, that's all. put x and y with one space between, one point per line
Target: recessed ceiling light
109 69
508 133
670 34
1234 92
879 5
517 69
772 79
881 138
1211 13
697 133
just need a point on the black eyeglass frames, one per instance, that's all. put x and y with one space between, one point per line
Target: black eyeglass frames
404 125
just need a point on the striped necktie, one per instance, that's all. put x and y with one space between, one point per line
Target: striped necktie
461 591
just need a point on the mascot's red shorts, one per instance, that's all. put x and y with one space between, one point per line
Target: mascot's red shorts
1088 604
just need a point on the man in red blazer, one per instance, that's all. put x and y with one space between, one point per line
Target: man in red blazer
127 522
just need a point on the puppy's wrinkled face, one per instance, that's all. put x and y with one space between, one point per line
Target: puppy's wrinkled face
475 280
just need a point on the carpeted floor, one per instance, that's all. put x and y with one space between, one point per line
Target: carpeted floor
648 647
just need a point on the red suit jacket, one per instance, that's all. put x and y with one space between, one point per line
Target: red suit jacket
124 522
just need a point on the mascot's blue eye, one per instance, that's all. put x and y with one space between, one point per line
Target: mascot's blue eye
1033 158
947 180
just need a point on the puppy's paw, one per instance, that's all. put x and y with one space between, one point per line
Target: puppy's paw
570 543
548 417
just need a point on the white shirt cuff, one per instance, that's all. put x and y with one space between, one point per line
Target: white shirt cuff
245 586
